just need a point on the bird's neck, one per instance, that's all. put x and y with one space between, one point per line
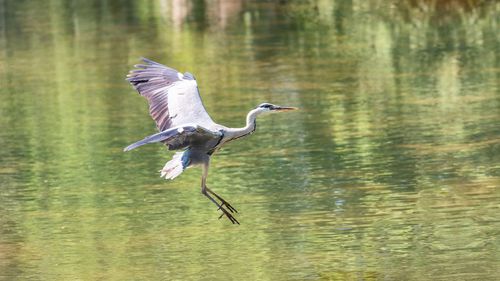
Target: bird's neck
250 127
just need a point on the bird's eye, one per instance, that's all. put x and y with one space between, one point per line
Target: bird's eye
266 105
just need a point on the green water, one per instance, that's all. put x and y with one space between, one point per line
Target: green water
390 170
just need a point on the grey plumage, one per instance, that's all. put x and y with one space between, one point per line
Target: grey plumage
181 137
184 124
162 85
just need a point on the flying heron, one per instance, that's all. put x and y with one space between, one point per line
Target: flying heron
184 124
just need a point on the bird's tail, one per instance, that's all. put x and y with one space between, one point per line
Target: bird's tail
176 166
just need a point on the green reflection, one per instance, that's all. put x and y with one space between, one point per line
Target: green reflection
390 171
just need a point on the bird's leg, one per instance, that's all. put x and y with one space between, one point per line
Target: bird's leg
223 202
224 211
205 191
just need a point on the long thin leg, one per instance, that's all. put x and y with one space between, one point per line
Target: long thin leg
204 190
223 202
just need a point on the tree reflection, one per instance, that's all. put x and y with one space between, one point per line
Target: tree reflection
394 151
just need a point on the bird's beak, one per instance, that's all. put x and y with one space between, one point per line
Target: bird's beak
285 108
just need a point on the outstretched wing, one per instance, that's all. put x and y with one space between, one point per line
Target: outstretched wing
173 97
182 137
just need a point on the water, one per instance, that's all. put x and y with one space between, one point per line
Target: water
390 171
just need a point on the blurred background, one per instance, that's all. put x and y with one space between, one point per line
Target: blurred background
390 171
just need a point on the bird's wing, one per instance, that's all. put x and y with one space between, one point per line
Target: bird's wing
173 97
182 137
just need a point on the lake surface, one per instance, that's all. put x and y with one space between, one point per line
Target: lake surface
390 170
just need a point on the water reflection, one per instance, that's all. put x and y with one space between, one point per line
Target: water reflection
390 171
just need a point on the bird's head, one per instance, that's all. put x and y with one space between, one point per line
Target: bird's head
271 108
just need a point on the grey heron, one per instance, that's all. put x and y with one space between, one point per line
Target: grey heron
184 124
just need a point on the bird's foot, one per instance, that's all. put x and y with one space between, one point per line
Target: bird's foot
223 202
205 191
228 215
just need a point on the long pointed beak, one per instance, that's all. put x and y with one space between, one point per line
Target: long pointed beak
285 108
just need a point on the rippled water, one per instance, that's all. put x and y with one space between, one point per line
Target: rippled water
390 171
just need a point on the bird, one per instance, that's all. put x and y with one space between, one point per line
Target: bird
185 126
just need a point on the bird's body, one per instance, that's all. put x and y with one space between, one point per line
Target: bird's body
184 124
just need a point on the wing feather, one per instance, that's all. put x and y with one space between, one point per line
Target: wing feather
173 97
182 137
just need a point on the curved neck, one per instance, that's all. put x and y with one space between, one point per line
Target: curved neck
234 133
